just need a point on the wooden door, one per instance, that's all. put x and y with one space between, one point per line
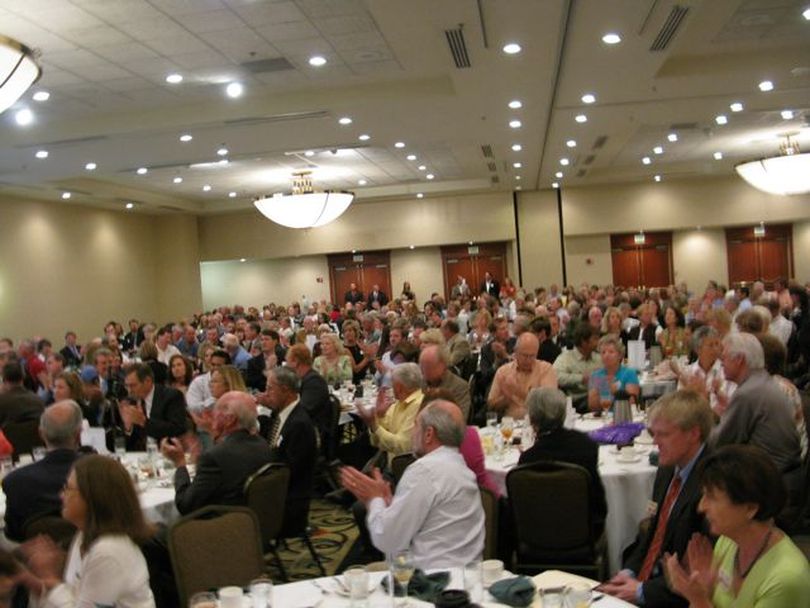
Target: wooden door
767 257
647 264
363 269
742 260
626 267
455 267
471 262
655 263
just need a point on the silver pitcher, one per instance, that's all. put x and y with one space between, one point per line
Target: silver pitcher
622 412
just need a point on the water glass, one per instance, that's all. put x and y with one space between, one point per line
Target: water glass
551 599
231 597
357 581
203 600
578 595
492 419
261 593
151 448
473 579
402 567
120 447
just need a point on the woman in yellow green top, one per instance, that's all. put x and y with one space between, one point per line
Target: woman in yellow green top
673 338
333 364
753 564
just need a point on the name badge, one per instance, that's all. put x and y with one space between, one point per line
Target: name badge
652 508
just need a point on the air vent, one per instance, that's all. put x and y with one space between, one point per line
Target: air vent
589 159
581 173
486 150
683 126
256 120
670 28
458 48
70 142
600 141
265 66
495 179
492 167
169 208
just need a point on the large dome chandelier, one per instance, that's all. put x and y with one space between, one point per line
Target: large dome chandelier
304 208
18 71
788 173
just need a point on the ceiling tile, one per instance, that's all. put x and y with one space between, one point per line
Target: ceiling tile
306 47
270 13
173 45
106 71
283 32
75 59
66 17
152 27
187 7
127 53
118 11
351 24
375 67
130 83
213 21
95 36
56 78
367 40
200 59
331 8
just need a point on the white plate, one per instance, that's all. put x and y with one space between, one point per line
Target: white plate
303 595
624 460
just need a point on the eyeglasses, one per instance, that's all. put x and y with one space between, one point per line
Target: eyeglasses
66 488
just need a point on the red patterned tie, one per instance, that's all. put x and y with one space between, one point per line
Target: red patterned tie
658 538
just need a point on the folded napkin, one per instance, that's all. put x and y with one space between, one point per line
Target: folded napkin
618 434
518 591
421 586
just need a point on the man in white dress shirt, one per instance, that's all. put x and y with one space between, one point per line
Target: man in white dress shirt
436 511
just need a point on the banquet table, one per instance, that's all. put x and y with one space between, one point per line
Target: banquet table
628 488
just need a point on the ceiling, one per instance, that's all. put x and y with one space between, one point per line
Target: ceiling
390 68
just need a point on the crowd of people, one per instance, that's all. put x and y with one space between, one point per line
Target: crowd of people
238 388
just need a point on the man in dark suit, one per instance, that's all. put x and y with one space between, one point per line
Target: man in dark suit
223 470
293 441
34 489
153 410
133 338
71 353
271 356
377 296
549 351
314 391
490 286
353 296
646 329
17 404
680 423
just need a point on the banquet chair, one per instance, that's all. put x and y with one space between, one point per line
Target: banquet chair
266 495
399 463
326 468
214 547
490 504
23 436
550 505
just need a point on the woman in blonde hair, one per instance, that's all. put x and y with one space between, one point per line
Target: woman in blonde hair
333 364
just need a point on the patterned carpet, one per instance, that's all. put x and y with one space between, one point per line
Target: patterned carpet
333 535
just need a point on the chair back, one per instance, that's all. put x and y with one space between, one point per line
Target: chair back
490 504
550 505
52 525
332 439
266 495
215 547
467 366
23 436
399 463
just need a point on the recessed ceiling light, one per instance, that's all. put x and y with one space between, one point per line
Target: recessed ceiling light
420 195
223 162
513 48
558 174
364 137
564 162
422 168
518 187
185 137
41 154
515 104
174 78
41 96
345 120
765 86
429 176
234 89
411 157
90 166
517 177
129 206
243 260
362 182
787 114
317 61
309 153
588 98
178 180
718 156
806 14
223 151
231 194
515 124
142 171
206 188
736 106
399 144
646 160
673 137
24 117
517 165
657 178
571 143
65 195
658 150
611 38
721 119
580 118
555 185
411 247
516 147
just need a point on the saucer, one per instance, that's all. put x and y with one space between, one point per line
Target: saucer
643 440
624 460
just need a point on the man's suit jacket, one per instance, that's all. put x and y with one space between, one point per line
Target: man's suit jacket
298 449
254 376
648 335
566 445
221 472
457 387
458 348
34 489
18 404
494 288
315 400
72 359
684 520
167 418
132 340
379 297
353 297
548 351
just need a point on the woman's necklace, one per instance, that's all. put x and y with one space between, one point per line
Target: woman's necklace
742 574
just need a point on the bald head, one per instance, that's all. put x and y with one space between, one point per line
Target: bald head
240 407
60 425
439 424
526 349
433 362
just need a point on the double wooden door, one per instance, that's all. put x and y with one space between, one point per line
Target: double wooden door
363 269
471 262
766 257
647 264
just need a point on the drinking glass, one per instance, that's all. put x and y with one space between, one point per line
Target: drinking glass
120 447
492 419
507 427
203 600
357 582
578 595
402 568
472 579
261 593
151 449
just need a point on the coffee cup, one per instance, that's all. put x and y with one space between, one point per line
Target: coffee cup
230 597
628 453
491 571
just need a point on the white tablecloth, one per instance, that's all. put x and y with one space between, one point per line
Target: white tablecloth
628 488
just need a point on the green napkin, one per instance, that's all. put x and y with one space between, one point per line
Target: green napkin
518 591
421 586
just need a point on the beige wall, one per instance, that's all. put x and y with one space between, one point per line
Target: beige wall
65 266
540 250
422 267
587 259
801 250
699 256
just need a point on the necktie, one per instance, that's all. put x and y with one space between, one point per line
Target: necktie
653 553
275 427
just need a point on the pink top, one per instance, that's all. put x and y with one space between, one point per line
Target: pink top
473 455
